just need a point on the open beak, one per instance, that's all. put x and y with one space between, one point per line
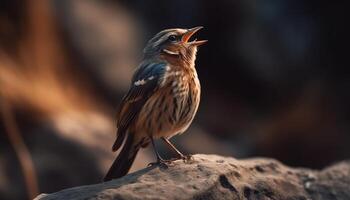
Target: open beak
186 37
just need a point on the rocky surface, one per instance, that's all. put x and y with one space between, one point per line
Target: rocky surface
216 177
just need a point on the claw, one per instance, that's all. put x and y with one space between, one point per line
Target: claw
187 158
161 163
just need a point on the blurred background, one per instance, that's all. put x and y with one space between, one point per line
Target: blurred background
274 83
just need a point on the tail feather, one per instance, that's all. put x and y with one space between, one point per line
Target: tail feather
119 141
123 162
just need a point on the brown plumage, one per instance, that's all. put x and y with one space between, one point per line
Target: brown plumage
163 98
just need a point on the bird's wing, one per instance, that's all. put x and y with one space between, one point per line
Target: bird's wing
144 83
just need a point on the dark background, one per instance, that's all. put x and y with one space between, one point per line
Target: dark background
274 81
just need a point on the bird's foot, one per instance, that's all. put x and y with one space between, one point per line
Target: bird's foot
187 158
161 163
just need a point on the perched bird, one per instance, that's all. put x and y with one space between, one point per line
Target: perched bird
162 100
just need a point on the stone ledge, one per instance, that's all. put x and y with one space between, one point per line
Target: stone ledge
217 177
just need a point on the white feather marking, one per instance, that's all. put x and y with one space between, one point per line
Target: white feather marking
171 52
140 82
143 81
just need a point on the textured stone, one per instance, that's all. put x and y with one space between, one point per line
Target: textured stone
216 177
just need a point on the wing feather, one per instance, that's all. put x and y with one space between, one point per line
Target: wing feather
144 83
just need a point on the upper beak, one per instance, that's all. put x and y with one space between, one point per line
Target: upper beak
185 38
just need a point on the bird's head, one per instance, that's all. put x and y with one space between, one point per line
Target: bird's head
174 44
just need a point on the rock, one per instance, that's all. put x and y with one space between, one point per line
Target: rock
216 177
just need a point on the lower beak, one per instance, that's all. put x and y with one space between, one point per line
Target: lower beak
186 37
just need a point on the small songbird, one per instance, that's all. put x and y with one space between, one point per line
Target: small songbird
162 100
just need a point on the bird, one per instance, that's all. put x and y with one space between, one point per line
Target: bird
162 100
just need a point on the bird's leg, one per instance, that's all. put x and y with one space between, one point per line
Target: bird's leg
180 155
160 161
172 147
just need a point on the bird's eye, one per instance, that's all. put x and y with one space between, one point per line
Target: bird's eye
172 38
